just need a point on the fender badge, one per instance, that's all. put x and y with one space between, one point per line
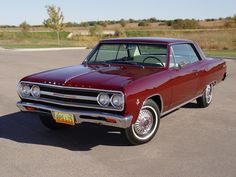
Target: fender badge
137 102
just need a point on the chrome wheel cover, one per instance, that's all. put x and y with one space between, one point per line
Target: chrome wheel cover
146 123
209 93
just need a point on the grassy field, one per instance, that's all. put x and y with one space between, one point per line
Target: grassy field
221 53
44 40
215 42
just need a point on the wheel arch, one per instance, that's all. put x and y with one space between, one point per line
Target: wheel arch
157 98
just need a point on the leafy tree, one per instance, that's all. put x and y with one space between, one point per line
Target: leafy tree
122 22
25 27
152 20
55 20
71 24
143 23
185 24
104 24
210 19
84 24
234 18
131 20
169 22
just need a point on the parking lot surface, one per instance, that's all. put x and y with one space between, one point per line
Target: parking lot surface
190 141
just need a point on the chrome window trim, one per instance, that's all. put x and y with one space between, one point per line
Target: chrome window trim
74 88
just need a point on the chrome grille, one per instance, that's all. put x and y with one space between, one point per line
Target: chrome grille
71 96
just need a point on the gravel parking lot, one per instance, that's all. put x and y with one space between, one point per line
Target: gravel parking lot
190 142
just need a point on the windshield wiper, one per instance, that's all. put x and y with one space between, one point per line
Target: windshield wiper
127 62
120 61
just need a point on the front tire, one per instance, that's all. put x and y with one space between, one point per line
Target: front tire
206 99
50 123
146 126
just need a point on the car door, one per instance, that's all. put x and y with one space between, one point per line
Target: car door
183 73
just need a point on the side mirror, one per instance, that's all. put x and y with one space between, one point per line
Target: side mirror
180 65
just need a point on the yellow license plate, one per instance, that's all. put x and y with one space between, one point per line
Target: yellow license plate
64 118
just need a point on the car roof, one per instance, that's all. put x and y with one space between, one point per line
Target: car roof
146 40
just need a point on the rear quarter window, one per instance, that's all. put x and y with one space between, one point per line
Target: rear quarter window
184 53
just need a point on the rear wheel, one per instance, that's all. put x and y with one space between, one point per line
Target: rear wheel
146 126
50 123
206 99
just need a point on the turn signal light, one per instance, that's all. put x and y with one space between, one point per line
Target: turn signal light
110 120
30 108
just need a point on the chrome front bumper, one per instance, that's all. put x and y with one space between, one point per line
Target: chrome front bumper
96 117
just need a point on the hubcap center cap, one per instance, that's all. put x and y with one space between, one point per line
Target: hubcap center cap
144 122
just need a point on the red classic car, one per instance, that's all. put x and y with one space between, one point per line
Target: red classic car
127 83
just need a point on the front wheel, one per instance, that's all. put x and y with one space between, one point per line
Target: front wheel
206 99
146 126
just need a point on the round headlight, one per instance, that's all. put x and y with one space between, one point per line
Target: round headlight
35 91
117 100
24 90
103 99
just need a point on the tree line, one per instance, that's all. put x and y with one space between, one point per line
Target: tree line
55 22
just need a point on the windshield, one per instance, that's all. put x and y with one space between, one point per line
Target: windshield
141 54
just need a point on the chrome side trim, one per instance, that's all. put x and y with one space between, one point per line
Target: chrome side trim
121 121
182 104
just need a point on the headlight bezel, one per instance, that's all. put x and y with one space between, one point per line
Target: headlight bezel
21 91
32 91
121 97
108 99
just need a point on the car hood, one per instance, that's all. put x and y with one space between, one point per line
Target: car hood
93 76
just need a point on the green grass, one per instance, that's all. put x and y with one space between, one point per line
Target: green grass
31 35
44 40
220 42
16 46
215 39
35 40
221 53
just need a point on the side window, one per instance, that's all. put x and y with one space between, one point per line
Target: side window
107 52
184 54
122 52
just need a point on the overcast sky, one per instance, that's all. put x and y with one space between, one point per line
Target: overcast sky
13 12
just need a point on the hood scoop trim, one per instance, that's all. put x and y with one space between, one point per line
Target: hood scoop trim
70 78
89 72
